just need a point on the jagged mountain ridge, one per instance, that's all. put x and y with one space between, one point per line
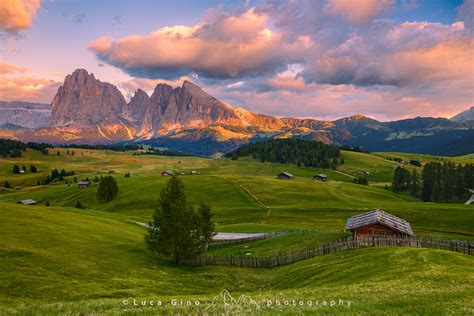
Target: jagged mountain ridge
86 110
464 116
24 115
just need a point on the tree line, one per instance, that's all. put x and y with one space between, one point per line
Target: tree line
437 182
14 148
292 151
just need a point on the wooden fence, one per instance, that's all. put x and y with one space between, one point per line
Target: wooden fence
465 247
224 242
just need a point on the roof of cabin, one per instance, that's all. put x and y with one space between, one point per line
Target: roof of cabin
27 202
289 175
321 175
379 217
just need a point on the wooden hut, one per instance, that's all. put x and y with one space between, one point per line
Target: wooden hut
377 223
84 184
28 202
167 173
285 176
320 177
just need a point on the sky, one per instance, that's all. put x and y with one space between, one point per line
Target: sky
324 59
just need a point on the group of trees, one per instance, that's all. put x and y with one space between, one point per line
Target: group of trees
105 147
292 151
57 176
177 229
159 152
13 148
437 182
16 169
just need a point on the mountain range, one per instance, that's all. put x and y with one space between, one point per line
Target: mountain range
187 119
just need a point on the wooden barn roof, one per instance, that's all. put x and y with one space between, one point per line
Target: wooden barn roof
28 202
379 217
289 175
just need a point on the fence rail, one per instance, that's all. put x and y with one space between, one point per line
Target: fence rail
465 247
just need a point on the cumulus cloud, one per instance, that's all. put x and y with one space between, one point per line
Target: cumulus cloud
27 88
357 12
223 47
466 14
409 53
16 15
310 58
17 85
6 68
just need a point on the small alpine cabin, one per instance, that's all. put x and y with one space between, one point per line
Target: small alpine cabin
378 223
83 184
167 173
285 176
320 177
28 202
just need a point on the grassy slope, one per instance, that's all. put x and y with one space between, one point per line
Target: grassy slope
92 262
245 195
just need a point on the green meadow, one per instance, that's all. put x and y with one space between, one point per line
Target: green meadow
63 260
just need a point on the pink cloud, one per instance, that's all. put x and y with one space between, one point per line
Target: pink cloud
6 68
16 15
357 12
29 89
225 47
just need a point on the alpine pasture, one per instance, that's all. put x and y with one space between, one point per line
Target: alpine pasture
59 259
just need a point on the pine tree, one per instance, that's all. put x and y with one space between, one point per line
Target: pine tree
415 185
207 226
7 185
176 230
108 189
16 169
436 193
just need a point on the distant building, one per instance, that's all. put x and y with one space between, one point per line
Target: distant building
167 173
18 187
320 177
182 174
194 172
28 202
377 223
471 200
22 171
84 184
285 176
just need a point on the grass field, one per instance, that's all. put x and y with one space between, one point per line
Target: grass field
60 259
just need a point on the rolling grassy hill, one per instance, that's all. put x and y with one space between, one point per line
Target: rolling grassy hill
60 260
63 260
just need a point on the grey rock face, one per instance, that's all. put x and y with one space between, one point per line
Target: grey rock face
85 101
24 114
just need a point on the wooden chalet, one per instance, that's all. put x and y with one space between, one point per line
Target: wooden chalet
84 184
285 176
377 223
28 202
320 177
167 173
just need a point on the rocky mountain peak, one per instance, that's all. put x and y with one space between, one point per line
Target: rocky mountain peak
85 101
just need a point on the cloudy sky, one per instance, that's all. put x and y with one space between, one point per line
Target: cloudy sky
326 59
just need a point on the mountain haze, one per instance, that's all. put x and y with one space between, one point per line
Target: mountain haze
186 118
